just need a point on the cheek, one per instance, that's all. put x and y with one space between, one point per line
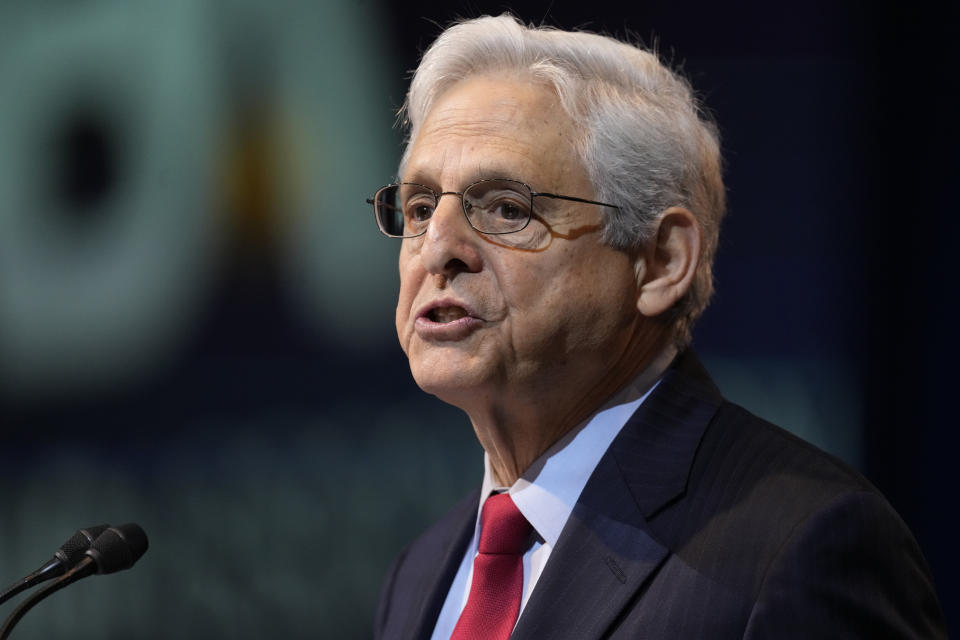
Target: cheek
409 285
539 307
575 309
541 290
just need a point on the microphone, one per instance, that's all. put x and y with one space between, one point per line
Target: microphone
64 559
115 549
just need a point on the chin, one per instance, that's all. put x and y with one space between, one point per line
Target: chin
436 382
448 382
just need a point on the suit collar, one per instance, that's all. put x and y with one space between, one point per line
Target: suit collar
607 551
548 491
656 447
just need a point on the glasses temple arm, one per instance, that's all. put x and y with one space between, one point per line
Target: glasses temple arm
572 198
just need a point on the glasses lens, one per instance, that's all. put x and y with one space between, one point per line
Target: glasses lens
404 210
389 214
498 206
418 203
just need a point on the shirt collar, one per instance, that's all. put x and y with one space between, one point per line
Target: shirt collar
549 489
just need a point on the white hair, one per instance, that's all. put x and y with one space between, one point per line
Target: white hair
646 144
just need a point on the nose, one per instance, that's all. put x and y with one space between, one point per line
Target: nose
450 244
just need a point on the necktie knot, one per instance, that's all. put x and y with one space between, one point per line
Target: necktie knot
503 529
497 588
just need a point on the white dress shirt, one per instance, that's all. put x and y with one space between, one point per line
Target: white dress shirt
545 495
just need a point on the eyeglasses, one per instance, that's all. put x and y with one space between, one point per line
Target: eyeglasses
495 206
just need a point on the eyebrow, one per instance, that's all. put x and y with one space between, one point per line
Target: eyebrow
419 176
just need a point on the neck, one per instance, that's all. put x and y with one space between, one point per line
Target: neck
515 434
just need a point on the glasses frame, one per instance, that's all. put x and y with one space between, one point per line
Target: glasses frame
439 194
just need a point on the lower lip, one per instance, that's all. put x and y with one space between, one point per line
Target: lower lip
444 331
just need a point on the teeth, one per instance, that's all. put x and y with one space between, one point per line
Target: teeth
447 314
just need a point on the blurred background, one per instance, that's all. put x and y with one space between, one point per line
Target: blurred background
196 308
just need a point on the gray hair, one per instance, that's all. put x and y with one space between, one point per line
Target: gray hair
647 144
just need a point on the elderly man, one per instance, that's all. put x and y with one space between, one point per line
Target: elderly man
559 204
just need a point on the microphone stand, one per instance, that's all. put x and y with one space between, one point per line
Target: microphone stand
47 571
84 568
66 556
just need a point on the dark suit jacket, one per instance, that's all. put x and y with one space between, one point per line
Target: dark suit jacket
700 521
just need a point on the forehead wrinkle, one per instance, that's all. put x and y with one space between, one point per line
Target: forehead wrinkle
460 127
504 114
451 155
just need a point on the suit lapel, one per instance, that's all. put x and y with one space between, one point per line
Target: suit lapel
602 558
437 577
606 551
655 449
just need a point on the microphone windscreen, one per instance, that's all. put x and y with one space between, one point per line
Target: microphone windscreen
74 549
118 548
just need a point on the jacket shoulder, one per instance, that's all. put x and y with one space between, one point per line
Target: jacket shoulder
809 542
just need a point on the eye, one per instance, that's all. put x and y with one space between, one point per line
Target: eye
419 207
497 206
421 212
509 210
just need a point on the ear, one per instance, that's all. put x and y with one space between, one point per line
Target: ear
665 268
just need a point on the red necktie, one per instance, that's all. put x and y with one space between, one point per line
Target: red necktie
494 602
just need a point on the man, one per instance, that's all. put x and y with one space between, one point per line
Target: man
559 204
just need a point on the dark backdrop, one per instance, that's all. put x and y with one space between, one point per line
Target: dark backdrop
270 439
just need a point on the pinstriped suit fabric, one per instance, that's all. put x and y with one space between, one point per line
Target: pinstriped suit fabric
701 521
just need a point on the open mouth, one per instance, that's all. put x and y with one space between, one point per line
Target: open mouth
444 315
447 320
